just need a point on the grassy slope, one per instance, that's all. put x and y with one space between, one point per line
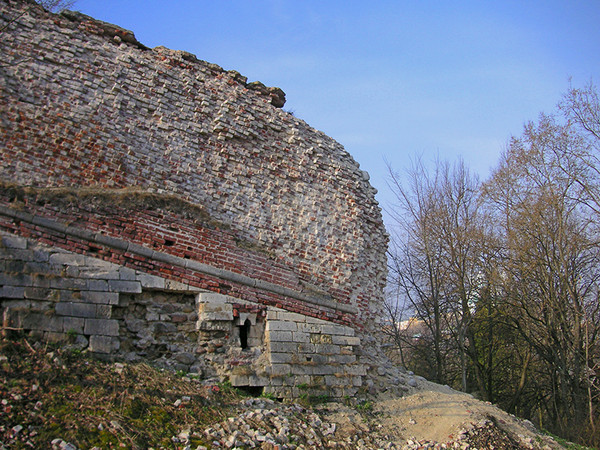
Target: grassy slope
62 394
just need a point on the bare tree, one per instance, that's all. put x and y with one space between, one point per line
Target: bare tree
416 268
505 277
552 259
435 262
582 107
397 312
462 241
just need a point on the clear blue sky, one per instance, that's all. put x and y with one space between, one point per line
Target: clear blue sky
389 79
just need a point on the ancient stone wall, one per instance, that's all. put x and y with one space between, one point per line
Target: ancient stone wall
177 171
114 311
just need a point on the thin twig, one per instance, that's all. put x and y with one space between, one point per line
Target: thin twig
31 349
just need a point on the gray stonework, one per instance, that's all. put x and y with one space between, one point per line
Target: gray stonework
115 312
306 361
57 295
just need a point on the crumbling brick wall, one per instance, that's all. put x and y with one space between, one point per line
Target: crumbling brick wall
170 166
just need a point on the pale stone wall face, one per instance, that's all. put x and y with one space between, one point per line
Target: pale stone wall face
311 357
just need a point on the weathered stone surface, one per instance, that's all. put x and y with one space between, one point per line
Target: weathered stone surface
43 322
208 325
103 344
279 336
15 279
38 293
125 286
97 285
215 312
12 292
280 369
69 259
164 328
109 298
345 340
75 309
300 337
185 358
13 242
151 282
104 327
280 358
283 347
73 325
280 325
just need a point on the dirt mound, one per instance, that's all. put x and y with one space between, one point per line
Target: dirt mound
436 418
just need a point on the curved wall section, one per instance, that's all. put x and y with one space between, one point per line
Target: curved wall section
242 186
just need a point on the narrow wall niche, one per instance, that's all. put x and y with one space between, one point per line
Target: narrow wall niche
244 333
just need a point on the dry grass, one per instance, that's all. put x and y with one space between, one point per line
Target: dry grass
97 197
55 393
